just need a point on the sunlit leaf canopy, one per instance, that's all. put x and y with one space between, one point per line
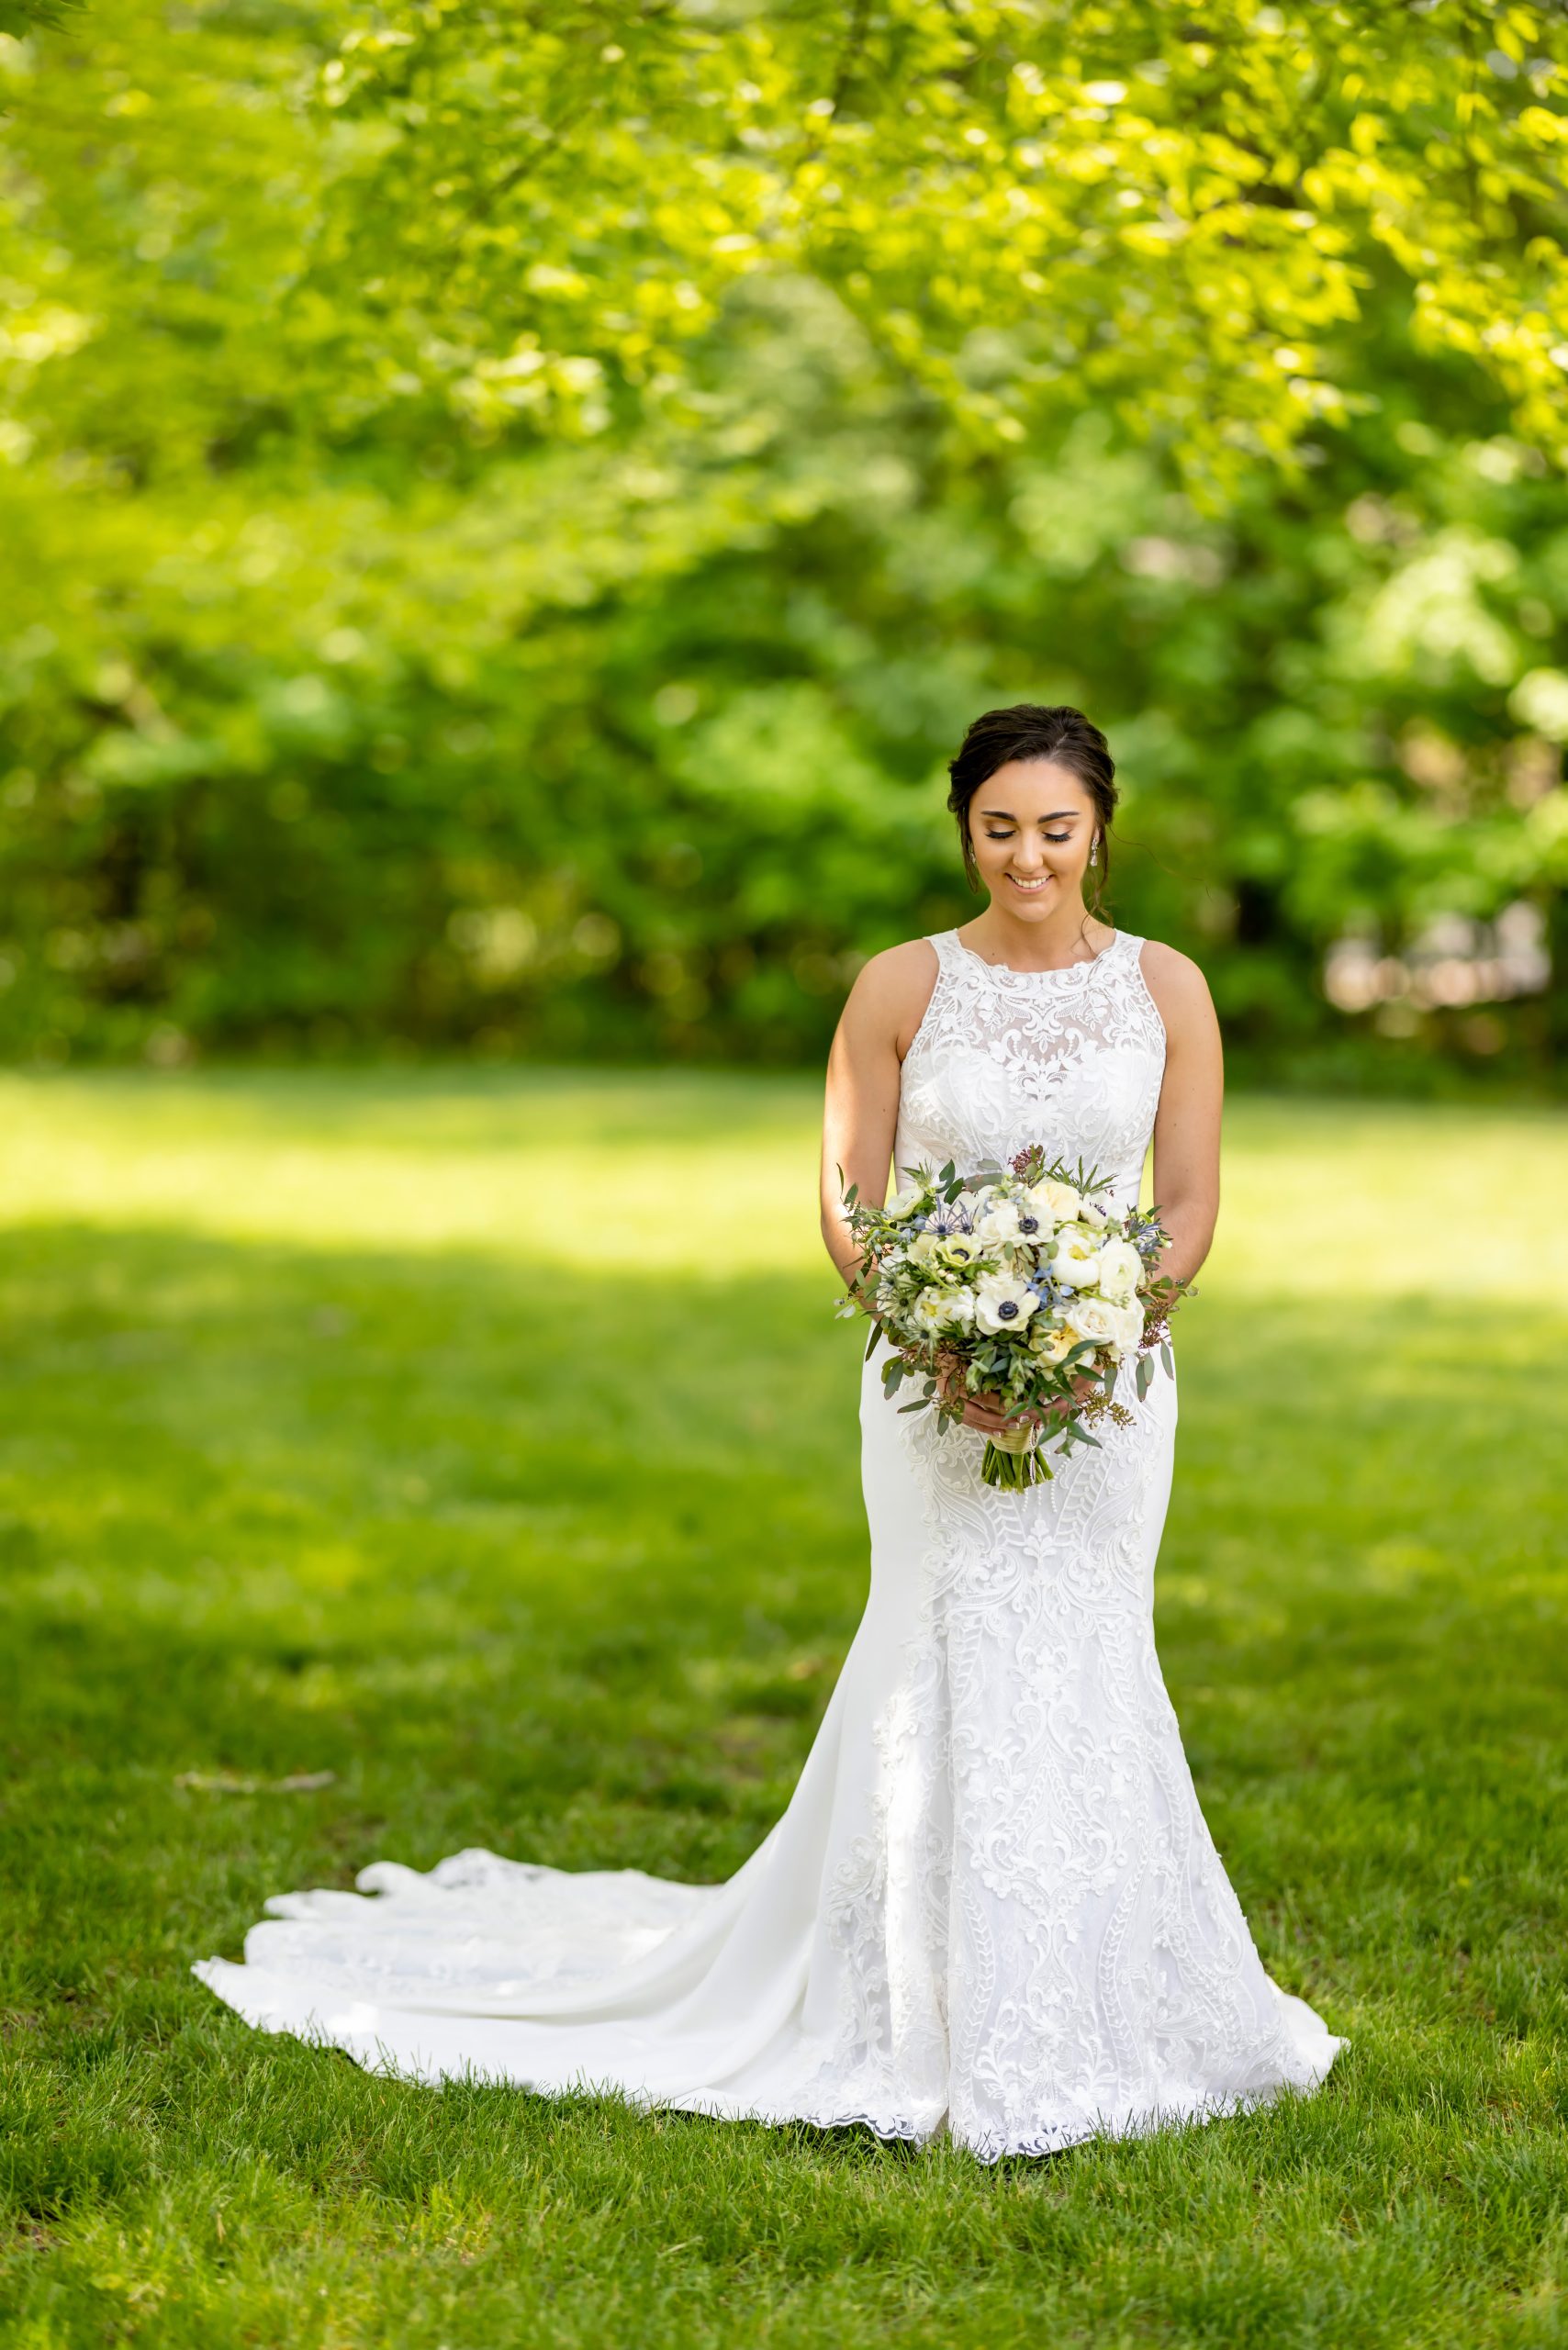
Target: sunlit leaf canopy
1179 215
510 512
1030 205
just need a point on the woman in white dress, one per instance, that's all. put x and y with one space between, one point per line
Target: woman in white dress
992 1906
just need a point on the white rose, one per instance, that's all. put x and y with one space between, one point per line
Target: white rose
1075 1264
1117 1328
1129 1328
1097 1319
1061 1203
1120 1267
1003 1302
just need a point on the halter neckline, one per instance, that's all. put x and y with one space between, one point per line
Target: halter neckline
1060 971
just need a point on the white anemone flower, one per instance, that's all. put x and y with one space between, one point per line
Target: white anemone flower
997 1223
1036 1217
1003 1302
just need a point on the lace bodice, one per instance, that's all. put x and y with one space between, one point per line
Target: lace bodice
1070 1059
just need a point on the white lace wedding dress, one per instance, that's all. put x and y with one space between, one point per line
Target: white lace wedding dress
993 1905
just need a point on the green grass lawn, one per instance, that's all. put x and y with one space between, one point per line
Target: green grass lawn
291 1482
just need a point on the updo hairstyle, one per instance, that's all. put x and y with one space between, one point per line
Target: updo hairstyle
1029 731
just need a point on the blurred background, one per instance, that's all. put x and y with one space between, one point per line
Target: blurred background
507 521
507 507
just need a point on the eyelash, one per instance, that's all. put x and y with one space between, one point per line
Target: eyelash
1050 836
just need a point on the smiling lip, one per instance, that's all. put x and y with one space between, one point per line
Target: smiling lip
1030 889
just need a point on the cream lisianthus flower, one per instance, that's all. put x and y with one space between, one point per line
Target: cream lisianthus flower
925 1313
1075 1264
1003 1302
906 1202
1120 1266
1050 1342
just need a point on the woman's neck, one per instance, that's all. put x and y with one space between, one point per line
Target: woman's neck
1067 934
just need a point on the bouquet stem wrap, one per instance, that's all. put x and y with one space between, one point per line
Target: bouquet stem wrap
1014 1459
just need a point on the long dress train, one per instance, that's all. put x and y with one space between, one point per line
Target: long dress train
993 1905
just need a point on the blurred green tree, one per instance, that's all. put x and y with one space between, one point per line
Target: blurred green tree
505 538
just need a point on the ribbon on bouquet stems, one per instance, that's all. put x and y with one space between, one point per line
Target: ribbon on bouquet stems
1013 1458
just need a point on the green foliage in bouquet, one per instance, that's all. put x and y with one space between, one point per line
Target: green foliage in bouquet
1018 1283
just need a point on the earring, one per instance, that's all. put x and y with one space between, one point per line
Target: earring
1094 850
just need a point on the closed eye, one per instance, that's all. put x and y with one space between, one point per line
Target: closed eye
1049 836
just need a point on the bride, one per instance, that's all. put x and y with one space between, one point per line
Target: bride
993 1907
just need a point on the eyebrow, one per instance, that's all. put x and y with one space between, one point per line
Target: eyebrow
1008 818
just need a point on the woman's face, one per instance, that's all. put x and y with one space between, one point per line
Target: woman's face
1033 824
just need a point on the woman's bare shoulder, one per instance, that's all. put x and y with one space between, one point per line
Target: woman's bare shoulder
892 991
1180 991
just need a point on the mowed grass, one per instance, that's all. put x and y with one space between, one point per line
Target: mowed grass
298 1474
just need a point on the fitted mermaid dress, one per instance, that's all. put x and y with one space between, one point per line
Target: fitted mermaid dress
992 1907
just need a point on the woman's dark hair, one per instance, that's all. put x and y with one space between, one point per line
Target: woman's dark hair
1029 731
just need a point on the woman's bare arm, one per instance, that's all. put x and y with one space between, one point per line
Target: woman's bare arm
876 1028
1186 1125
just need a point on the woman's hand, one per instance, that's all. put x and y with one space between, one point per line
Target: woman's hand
987 1412
861 1282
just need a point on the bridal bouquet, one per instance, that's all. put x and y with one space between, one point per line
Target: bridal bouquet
1016 1281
